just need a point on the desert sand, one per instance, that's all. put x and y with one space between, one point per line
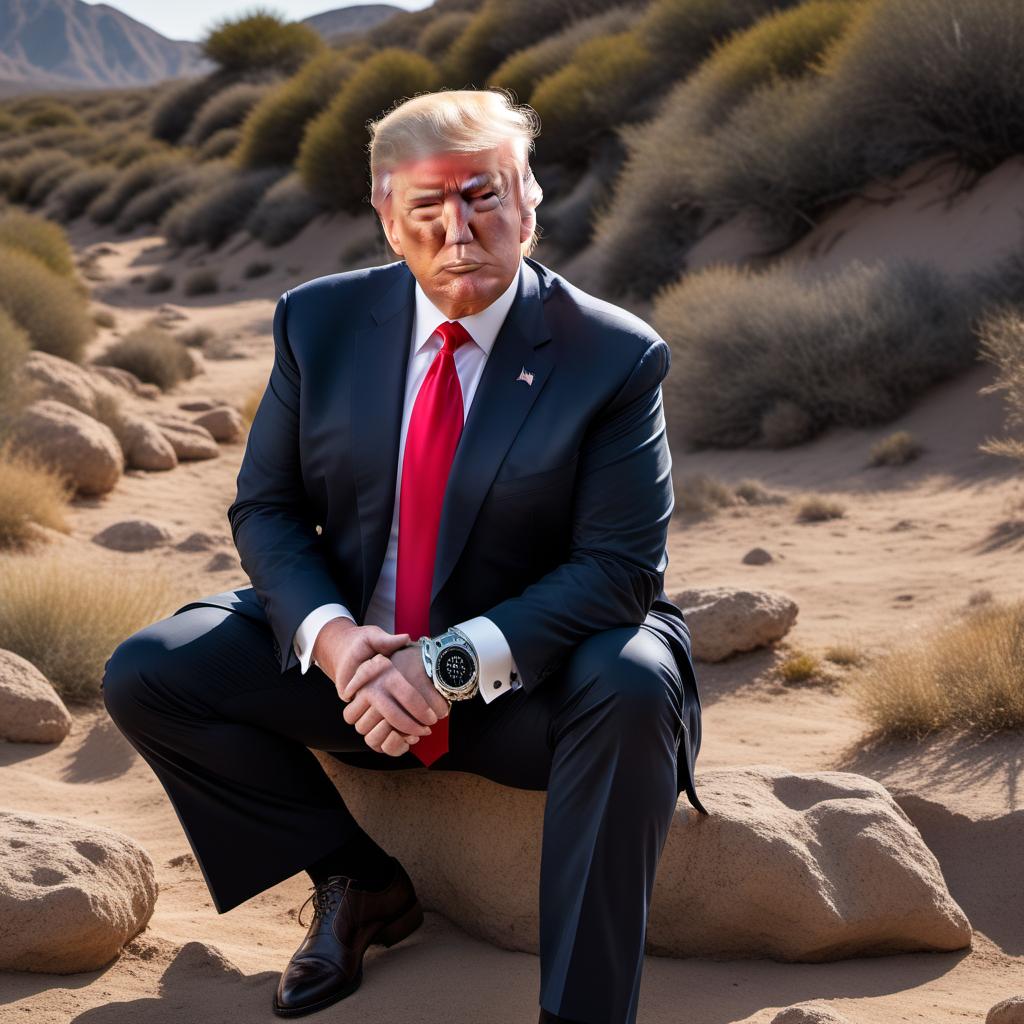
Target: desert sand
915 544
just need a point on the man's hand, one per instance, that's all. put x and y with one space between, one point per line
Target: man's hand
391 700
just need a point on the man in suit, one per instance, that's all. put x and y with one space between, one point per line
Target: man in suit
453 508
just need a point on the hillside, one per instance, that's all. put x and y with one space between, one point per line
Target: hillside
63 43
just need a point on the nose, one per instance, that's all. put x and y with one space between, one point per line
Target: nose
457 216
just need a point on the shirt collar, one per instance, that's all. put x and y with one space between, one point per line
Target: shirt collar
483 326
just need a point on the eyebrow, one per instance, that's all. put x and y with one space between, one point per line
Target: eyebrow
470 183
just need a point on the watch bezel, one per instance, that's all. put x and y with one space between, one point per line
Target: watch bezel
431 647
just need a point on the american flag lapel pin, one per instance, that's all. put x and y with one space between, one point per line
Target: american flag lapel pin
523 375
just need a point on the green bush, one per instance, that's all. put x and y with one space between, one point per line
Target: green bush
214 214
283 211
22 173
272 132
226 109
853 349
332 159
49 307
130 148
71 198
153 354
39 236
135 178
261 41
9 124
525 68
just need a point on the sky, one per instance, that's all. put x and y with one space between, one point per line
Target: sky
190 19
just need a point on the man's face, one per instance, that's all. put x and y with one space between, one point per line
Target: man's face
455 219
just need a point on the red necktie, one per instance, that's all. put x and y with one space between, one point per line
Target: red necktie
435 427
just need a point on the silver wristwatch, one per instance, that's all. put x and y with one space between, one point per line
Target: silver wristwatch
450 661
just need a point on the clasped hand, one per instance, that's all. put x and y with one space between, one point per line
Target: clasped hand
390 699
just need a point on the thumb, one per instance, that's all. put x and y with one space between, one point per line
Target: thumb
386 642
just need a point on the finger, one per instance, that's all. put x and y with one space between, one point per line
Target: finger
370 720
387 642
365 673
399 718
395 744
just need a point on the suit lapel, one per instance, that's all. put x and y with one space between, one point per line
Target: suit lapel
500 405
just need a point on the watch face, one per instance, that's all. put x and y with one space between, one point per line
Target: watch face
454 667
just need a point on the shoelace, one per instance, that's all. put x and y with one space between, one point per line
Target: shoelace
323 894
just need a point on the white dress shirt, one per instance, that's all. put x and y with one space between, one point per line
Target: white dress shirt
498 673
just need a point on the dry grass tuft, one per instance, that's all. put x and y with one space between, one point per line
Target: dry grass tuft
64 616
815 509
30 492
897 449
962 676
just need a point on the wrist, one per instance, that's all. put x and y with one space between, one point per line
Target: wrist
332 627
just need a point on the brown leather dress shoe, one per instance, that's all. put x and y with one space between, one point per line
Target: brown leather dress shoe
328 965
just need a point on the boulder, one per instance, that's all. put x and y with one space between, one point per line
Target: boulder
145 447
133 535
1008 1011
808 1013
225 423
189 440
65 381
792 866
127 380
757 556
726 620
81 448
31 711
71 894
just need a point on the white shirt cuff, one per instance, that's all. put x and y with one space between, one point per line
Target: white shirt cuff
498 672
309 630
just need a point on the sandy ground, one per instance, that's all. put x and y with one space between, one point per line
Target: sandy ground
914 545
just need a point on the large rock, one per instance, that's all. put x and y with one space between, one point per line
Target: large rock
1008 1011
189 440
145 446
71 894
81 448
65 381
726 620
30 709
810 866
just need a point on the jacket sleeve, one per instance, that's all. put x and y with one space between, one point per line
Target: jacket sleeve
271 522
622 504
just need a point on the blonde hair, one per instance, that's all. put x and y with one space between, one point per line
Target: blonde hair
462 121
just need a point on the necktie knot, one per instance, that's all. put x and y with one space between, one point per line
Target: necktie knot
453 334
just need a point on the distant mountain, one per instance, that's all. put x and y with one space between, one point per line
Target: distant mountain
357 18
63 44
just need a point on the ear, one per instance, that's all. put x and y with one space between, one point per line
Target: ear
388 224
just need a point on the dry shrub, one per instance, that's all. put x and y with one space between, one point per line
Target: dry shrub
225 109
202 282
49 307
153 354
962 675
332 157
72 196
283 211
30 492
774 351
524 69
897 449
816 509
214 214
41 237
63 615
272 132
1002 343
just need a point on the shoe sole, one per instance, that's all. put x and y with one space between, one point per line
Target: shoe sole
394 931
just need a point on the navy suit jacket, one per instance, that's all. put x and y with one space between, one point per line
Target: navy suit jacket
558 501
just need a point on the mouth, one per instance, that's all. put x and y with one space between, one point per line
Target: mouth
462 266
